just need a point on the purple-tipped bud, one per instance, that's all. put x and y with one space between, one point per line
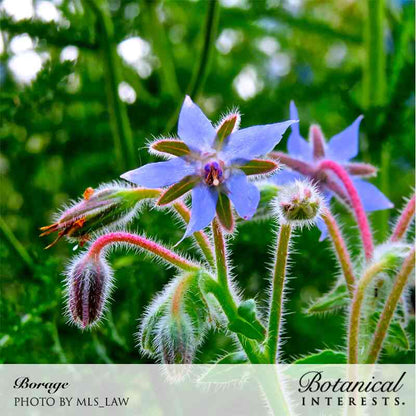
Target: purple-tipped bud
176 321
106 207
299 203
88 285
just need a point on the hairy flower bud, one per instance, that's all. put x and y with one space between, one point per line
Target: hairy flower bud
299 203
88 284
176 321
107 207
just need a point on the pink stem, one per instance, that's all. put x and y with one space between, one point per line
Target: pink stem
340 249
404 220
357 206
143 243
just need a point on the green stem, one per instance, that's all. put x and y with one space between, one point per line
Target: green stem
16 244
276 306
229 307
156 30
220 254
201 70
355 313
375 64
123 140
210 32
221 291
389 308
341 250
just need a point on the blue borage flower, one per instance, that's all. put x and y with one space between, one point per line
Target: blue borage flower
213 163
302 161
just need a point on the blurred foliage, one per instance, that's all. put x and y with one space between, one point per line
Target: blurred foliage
68 129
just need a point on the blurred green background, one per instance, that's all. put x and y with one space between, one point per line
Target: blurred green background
84 84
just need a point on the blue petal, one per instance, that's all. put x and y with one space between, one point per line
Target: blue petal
255 141
371 197
194 128
345 145
204 203
320 223
285 176
155 175
296 144
244 195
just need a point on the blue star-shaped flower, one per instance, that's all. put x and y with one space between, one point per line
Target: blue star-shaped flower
214 163
303 160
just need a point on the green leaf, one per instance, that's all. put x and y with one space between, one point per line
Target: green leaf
335 299
324 357
224 212
238 357
259 166
171 147
246 323
397 337
177 190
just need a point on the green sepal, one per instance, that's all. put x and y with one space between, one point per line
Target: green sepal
324 357
246 322
259 167
149 328
178 189
225 129
337 298
224 212
171 147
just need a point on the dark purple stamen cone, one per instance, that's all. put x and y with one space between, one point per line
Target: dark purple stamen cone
89 281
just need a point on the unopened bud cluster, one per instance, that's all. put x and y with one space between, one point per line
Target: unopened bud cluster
175 322
107 207
299 203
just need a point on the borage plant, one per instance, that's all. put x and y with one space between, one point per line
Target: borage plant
230 170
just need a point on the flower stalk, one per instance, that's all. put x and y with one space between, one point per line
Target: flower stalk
276 302
389 308
356 204
404 220
145 244
341 250
355 313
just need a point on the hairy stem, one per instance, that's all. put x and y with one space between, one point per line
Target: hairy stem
341 250
389 308
123 140
276 307
221 290
356 203
404 220
146 245
355 313
220 254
